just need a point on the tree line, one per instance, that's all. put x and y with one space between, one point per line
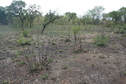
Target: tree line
17 14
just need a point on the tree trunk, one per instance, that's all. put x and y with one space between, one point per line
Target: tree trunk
44 26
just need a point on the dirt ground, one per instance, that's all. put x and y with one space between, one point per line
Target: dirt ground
97 65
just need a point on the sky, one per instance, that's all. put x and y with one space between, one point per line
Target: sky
78 6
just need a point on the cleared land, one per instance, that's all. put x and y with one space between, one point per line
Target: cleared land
66 64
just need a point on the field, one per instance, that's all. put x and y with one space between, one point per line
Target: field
55 58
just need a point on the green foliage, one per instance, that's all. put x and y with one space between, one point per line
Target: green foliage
75 30
120 30
1 58
74 56
48 19
124 35
101 40
116 16
19 52
21 63
45 76
24 34
50 59
5 82
24 41
101 56
77 51
35 67
64 67
124 27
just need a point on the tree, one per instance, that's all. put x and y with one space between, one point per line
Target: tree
123 13
70 16
32 12
96 14
17 8
3 15
86 19
49 18
115 15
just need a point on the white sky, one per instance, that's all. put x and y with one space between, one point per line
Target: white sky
78 6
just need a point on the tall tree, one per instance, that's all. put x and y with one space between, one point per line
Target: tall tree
17 8
116 16
33 12
3 15
70 16
96 13
123 13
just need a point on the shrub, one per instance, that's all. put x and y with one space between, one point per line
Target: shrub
64 67
101 40
5 82
24 41
21 63
75 30
24 34
45 76
124 27
33 67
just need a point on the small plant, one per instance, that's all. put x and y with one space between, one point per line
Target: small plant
53 43
1 58
101 56
75 30
74 56
93 65
124 35
64 67
101 40
24 41
5 82
19 52
35 67
66 59
24 34
21 63
105 62
45 76
50 60
59 51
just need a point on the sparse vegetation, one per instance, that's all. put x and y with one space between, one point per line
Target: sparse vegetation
101 40
21 63
64 46
5 82
64 67
45 76
101 56
24 41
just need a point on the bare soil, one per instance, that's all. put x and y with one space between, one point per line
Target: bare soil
97 65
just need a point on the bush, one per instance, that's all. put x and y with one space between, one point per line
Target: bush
75 30
120 31
101 40
124 27
24 41
24 34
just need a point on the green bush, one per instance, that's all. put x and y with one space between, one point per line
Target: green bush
45 76
120 31
75 31
5 82
21 63
24 41
124 27
24 34
101 40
